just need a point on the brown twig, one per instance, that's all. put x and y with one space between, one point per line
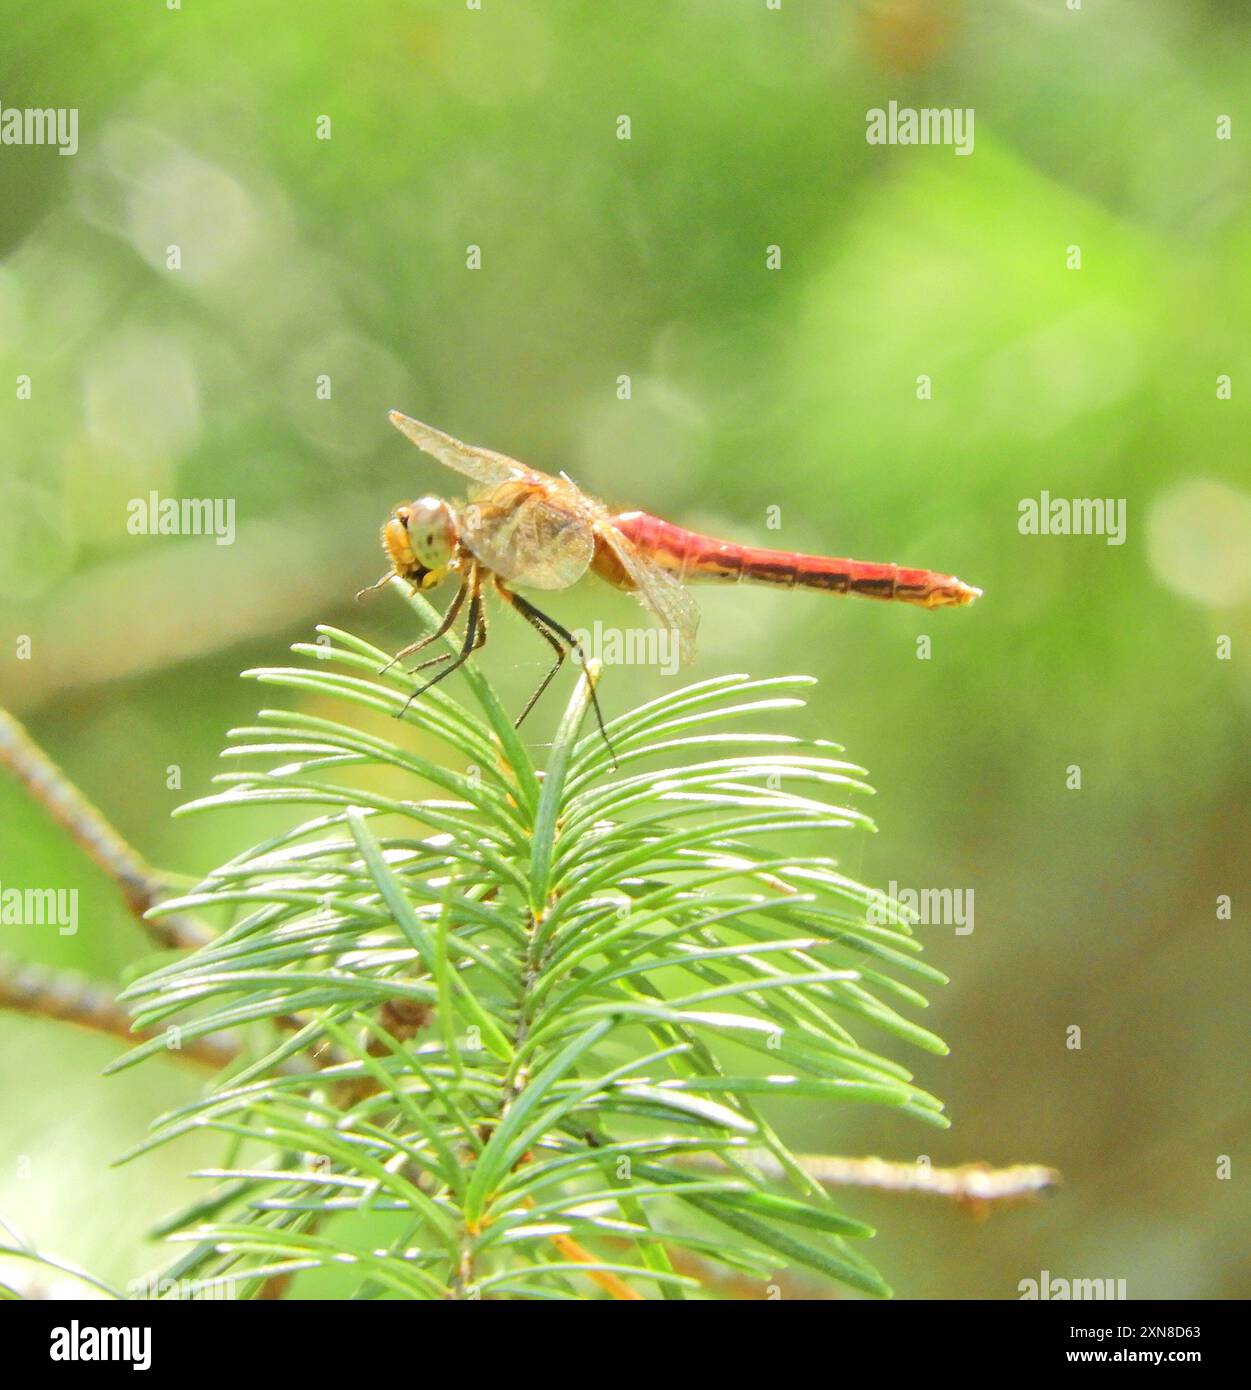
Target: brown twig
142 887
32 989
975 1185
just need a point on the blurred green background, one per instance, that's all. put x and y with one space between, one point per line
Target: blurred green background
751 388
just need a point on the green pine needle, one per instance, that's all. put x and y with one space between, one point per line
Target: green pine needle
494 1009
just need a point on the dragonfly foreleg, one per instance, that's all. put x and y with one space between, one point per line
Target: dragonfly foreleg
475 636
443 628
430 661
377 584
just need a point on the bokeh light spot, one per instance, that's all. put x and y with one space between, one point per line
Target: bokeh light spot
1199 541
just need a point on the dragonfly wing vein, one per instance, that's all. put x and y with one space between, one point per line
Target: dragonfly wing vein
529 541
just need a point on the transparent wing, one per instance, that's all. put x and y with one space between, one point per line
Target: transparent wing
528 537
482 465
660 592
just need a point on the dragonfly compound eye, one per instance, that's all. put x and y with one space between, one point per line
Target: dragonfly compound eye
431 534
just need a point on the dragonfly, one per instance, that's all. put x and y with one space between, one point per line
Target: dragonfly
525 529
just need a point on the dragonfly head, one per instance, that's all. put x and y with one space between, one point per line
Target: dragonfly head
420 541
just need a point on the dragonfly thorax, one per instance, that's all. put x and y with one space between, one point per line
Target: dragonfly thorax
420 540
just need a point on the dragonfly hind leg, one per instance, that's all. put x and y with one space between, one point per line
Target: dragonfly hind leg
562 642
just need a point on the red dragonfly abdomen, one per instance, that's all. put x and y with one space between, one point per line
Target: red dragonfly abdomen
693 557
